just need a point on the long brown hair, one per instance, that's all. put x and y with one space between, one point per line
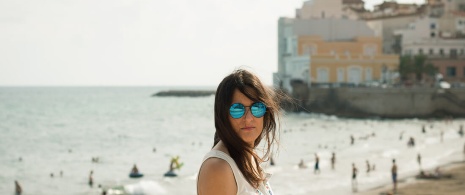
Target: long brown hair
248 84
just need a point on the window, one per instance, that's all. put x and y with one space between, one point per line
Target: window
441 51
433 26
462 7
433 34
368 74
354 74
450 71
322 75
453 53
369 49
431 51
347 53
310 49
294 46
420 51
340 75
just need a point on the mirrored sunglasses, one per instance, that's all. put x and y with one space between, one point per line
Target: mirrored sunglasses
237 110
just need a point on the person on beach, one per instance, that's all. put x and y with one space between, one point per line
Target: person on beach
394 175
419 160
354 177
411 142
464 149
368 167
18 189
352 139
333 161
437 172
91 179
317 164
423 130
302 164
245 112
442 135
134 169
174 164
461 131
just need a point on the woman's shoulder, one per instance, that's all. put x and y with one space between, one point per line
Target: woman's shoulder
216 165
216 177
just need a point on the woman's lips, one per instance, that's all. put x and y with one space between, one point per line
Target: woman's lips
248 128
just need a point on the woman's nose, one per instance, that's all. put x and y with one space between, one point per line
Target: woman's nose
248 114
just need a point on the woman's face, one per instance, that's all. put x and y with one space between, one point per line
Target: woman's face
247 127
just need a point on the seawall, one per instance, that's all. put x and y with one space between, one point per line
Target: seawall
382 102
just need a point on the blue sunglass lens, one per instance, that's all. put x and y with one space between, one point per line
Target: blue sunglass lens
237 110
258 109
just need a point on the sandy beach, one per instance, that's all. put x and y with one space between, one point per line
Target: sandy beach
412 186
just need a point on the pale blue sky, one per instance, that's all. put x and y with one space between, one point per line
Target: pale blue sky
138 42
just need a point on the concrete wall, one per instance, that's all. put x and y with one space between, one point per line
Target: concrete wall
386 103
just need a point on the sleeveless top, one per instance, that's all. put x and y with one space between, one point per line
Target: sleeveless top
243 187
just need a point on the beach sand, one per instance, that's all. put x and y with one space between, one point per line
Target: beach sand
411 186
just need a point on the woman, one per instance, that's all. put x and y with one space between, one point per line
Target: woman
245 113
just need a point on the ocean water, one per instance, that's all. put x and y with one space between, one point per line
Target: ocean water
48 130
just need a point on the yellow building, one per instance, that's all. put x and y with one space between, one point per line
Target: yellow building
352 61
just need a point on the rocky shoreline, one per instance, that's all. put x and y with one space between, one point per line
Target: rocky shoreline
184 93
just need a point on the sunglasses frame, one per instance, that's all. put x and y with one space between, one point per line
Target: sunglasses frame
250 109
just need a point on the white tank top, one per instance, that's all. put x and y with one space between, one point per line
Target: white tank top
243 187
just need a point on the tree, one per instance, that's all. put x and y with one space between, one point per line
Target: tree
415 65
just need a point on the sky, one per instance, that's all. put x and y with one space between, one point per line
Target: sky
139 42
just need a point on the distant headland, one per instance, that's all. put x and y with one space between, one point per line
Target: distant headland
184 93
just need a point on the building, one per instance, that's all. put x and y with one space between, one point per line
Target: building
347 62
290 59
353 9
440 37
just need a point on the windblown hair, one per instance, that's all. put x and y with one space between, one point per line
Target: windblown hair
240 151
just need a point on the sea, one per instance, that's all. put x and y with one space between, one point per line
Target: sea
49 136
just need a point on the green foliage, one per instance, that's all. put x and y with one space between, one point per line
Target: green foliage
416 65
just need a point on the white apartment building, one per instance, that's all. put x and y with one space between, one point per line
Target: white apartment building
424 36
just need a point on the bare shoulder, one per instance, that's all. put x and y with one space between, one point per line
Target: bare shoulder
216 177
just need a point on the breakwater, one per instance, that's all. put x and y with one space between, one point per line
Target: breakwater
382 102
184 93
